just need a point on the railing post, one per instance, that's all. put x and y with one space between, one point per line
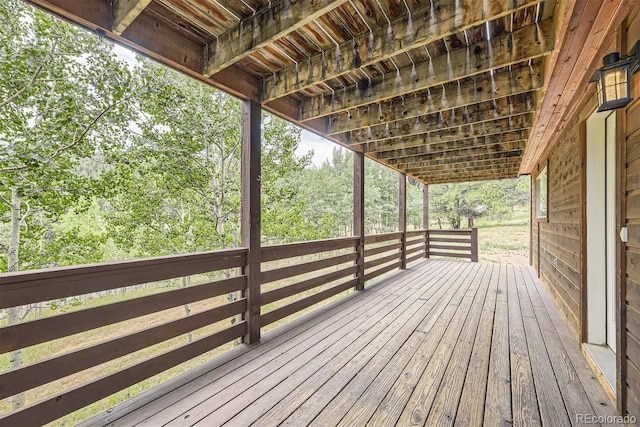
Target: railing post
474 244
250 213
425 218
358 214
427 238
402 220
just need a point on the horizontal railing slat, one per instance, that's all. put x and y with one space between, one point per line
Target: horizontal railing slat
287 291
381 249
415 249
450 247
34 375
276 252
450 254
461 239
38 331
49 409
301 304
415 257
294 270
376 238
420 242
413 233
379 261
450 232
34 286
380 271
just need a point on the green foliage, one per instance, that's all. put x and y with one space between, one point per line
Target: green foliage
450 203
59 105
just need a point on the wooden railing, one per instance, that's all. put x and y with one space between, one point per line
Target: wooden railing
20 289
453 243
293 277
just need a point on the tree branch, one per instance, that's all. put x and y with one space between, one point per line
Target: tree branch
5 201
31 82
74 143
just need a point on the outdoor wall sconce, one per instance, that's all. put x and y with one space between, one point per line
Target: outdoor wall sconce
613 80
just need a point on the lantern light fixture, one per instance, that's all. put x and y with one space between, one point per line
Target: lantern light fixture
613 80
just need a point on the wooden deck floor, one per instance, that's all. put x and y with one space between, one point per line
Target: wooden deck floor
443 343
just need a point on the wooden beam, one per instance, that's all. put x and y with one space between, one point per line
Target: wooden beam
262 29
527 43
457 176
251 213
414 164
484 127
583 28
125 12
402 218
446 142
470 178
421 153
480 162
460 175
474 166
418 155
480 89
465 113
358 214
440 19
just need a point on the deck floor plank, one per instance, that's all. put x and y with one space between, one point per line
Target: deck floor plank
265 363
523 393
550 402
317 328
443 343
497 407
298 409
470 408
424 394
406 373
447 398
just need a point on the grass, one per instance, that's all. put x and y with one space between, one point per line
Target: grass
505 240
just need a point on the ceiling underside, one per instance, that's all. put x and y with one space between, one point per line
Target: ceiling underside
443 90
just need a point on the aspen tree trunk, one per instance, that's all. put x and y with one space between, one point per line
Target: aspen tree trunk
15 313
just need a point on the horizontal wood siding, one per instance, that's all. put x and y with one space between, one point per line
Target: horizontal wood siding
631 362
557 242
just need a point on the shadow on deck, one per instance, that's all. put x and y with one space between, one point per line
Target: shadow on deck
442 343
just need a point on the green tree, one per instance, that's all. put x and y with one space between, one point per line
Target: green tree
62 98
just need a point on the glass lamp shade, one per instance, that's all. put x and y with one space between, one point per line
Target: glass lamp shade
612 82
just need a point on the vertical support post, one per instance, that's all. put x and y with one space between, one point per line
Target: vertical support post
358 214
402 218
425 218
250 213
474 244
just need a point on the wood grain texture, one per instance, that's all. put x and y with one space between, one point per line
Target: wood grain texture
448 331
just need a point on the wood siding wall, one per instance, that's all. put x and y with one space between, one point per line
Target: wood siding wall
631 132
558 245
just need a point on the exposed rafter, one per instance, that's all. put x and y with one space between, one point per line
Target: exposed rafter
411 164
264 28
463 163
478 124
479 89
125 12
440 19
456 144
430 139
527 43
417 154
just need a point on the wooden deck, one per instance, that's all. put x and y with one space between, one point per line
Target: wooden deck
442 343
